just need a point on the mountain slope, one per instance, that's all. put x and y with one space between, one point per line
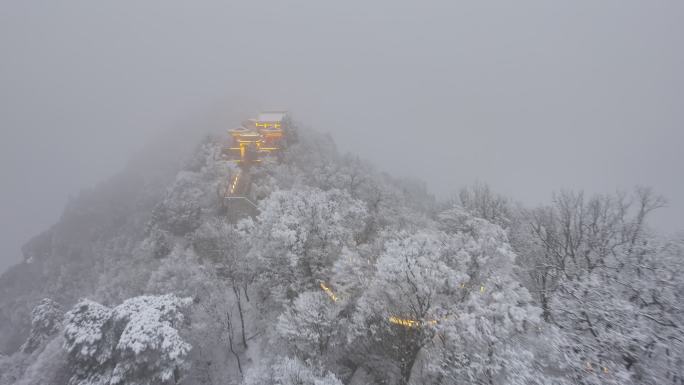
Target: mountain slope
342 275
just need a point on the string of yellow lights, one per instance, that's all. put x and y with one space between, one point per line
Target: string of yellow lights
329 292
393 319
234 184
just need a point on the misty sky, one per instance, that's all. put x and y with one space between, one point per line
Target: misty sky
529 96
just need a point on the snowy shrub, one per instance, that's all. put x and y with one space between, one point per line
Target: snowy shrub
135 342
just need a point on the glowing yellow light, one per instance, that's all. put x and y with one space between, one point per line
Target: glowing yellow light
409 323
264 135
481 289
267 124
233 185
605 369
329 292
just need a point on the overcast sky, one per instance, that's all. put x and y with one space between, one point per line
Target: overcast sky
529 96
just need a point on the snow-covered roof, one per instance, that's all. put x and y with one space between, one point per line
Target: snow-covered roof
272 116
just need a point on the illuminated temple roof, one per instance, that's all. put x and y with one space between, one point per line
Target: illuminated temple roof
273 116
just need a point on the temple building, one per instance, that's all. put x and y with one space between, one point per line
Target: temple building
259 137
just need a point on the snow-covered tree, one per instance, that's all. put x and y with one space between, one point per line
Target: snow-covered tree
626 329
409 294
656 288
352 272
311 324
194 192
480 201
135 342
219 331
290 371
299 234
598 274
480 341
180 212
46 320
226 247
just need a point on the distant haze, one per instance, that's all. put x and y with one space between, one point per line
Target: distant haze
529 96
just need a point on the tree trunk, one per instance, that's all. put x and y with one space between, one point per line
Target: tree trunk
230 344
242 319
244 288
407 360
